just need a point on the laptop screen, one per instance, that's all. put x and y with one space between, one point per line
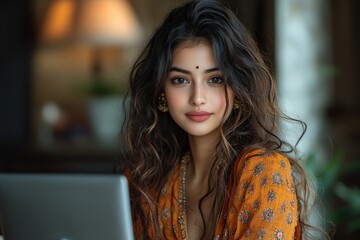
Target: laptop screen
65 207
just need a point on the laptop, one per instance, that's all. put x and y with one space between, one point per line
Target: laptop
64 207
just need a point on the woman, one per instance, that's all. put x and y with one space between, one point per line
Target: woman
204 160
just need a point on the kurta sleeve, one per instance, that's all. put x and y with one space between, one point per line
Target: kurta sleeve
262 201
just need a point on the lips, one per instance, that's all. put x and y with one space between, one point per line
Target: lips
198 116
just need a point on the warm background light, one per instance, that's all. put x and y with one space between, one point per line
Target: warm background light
58 21
107 21
91 21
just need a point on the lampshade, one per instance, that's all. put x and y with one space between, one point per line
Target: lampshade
91 21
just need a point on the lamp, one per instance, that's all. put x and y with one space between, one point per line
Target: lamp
99 24
96 22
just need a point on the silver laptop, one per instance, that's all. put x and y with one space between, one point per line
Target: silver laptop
64 207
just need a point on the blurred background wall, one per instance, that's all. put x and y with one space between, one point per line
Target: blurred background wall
52 85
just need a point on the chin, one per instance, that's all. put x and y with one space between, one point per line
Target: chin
201 133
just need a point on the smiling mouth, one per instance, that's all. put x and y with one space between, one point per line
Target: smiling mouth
198 116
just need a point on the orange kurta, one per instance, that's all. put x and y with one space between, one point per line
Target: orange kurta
262 202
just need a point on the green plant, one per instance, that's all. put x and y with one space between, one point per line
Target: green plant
100 87
341 201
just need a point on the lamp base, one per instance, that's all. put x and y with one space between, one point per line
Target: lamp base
106 116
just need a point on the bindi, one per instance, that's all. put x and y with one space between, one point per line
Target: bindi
197 67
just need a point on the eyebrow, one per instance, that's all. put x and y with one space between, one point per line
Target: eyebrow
176 69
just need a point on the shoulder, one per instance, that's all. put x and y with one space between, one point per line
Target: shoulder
260 174
260 162
262 197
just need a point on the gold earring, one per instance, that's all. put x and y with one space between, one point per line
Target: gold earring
162 103
236 104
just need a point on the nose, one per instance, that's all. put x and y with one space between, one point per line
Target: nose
198 96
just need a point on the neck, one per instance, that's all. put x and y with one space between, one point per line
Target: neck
202 152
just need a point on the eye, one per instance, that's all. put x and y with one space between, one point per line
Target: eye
180 81
216 80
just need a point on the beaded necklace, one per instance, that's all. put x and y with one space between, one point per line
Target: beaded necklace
182 195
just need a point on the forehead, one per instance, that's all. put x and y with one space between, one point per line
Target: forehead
189 54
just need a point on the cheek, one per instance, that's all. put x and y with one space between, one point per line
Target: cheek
174 99
227 109
219 98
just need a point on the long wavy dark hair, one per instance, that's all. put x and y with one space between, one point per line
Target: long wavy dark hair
154 143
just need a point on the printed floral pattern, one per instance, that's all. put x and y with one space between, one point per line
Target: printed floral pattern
289 218
261 234
277 179
283 164
267 215
262 202
258 169
244 216
283 207
279 234
256 204
263 181
166 213
271 196
247 232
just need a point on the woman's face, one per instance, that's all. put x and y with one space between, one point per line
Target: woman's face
195 89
